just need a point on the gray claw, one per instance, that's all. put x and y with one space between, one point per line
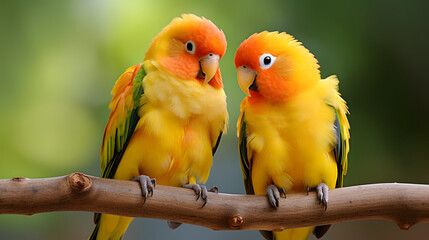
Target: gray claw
146 184
283 191
201 191
153 181
196 188
322 194
273 195
204 194
214 189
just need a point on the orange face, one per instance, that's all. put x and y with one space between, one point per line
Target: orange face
190 48
274 66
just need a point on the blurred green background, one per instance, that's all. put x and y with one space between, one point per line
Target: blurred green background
60 59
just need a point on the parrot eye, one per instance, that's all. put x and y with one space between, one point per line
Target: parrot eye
266 60
190 47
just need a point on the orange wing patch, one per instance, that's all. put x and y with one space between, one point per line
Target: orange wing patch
122 104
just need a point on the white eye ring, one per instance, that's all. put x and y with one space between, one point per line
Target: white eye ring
266 60
190 47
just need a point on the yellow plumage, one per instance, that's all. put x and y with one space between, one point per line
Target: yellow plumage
290 144
167 114
297 136
179 124
293 131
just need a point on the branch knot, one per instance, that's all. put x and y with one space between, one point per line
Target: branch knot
79 182
236 221
19 179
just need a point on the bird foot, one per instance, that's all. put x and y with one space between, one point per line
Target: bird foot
322 194
201 191
273 194
214 189
146 184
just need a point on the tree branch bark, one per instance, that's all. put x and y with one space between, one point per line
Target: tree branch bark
404 204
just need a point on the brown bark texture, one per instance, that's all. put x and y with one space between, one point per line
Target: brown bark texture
404 204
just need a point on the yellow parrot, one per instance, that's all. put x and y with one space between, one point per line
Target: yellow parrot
293 130
167 116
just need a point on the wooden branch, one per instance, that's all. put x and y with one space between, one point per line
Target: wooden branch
405 204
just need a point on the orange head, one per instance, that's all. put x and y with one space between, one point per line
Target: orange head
275 67
190 47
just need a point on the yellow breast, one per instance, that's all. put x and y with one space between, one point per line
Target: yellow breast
180 121
291 141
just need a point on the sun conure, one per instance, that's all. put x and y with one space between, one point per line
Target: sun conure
167 116
293 131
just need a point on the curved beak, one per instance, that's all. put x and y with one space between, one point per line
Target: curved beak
209 65
246 77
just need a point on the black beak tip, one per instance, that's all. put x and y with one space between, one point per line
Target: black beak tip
254 86
201 74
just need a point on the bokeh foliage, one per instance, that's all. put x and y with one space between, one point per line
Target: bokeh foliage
60 59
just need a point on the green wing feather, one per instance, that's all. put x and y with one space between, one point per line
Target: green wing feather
246 165
245 162
217 143
341 147
122 120
341 126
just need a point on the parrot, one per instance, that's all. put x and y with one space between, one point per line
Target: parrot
293 132
167 116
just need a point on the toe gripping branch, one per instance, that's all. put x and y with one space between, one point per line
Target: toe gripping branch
322 194
201 191
273 194
146 184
